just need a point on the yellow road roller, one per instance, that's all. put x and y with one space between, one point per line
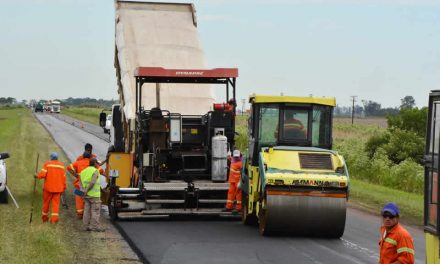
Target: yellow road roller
293 183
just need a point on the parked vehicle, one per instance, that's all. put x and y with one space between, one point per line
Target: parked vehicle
3 190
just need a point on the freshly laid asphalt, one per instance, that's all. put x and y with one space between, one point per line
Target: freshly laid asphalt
226 241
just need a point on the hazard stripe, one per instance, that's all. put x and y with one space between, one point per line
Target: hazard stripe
391 241
44 170
55 166
71 167
44 213
316 194
230 201
56 214
405 249
238 202
80 210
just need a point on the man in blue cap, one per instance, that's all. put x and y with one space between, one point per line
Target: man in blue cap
54 175
396 244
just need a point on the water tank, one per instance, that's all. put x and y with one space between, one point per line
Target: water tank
219 158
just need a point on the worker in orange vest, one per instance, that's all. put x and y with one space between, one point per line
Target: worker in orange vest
76 168
89 148
234 192
292 128
54 175
396 244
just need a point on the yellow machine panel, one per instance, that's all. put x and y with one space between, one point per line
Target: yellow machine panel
432 249
121 164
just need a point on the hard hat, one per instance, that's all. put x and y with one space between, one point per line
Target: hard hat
391 208
236 153
53 156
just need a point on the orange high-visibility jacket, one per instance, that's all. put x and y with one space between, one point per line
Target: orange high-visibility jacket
293 124
78 166
54 175
396 244
235 170
80 157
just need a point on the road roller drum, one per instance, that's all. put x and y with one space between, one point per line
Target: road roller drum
293 214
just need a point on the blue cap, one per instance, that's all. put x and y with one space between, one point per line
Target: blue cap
53 156
391 208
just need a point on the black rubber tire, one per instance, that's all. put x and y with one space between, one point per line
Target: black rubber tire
4 196
262 224
248 219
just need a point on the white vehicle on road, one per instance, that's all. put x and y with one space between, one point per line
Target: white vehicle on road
55 107
3 190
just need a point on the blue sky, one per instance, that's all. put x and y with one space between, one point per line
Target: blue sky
376 50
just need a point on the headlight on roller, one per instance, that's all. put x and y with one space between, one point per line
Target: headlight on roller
340 170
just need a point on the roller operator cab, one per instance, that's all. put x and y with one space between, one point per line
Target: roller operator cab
432 165
179 161
292 182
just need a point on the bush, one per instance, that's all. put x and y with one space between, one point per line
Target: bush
410 119
398 144
405 145
407 176
379 169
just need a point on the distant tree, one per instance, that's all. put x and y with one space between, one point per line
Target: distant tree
371 108
358 110
407 102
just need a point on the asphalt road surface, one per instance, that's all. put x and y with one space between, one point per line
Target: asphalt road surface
226 241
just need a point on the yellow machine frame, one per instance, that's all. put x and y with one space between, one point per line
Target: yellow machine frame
432 183
288 160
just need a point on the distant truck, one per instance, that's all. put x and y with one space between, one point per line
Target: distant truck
39 107
55 107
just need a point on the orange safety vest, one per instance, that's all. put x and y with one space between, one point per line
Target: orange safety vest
293 124
396 244
235 170
54 175
80 157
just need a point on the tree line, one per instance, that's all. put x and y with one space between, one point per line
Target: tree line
86 102
372 108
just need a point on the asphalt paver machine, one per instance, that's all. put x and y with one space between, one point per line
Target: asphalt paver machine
175 164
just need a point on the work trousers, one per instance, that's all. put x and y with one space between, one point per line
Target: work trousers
234 194
50 198
92 213
79 204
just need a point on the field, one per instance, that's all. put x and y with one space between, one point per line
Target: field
20 242
369 176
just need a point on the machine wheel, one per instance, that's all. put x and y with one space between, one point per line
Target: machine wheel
248 219
112 208
4 196
262 222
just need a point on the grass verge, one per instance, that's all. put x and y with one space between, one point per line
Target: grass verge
372 197
20 242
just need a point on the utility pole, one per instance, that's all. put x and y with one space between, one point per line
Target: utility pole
353 97
243 101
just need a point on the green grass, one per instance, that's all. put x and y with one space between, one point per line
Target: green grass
87 114
373 197
20 242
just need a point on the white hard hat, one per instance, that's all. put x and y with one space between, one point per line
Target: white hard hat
236 153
